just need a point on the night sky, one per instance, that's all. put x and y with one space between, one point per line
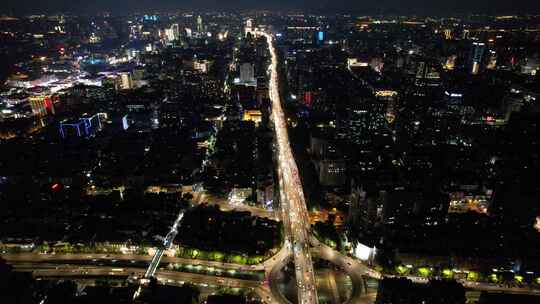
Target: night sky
359 6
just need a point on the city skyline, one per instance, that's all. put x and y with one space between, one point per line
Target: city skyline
413 7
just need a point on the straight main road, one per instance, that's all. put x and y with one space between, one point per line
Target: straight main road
293 206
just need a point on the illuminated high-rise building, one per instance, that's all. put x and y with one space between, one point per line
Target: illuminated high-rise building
476 57
492 61
200 26
176 30
249 27
427 74
126 81
362 121
169 35
465 34
450 63
41 105
202 65
247 73
447 34
83 127
390 98
173 33
331 172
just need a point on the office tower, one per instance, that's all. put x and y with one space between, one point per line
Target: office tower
176 31
362 121
83 127
447 34
41 105
126 81
173 33
427 74
169 34
450 63
476 56
331 172
492 60
200 26
202 65
247 73
249 27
